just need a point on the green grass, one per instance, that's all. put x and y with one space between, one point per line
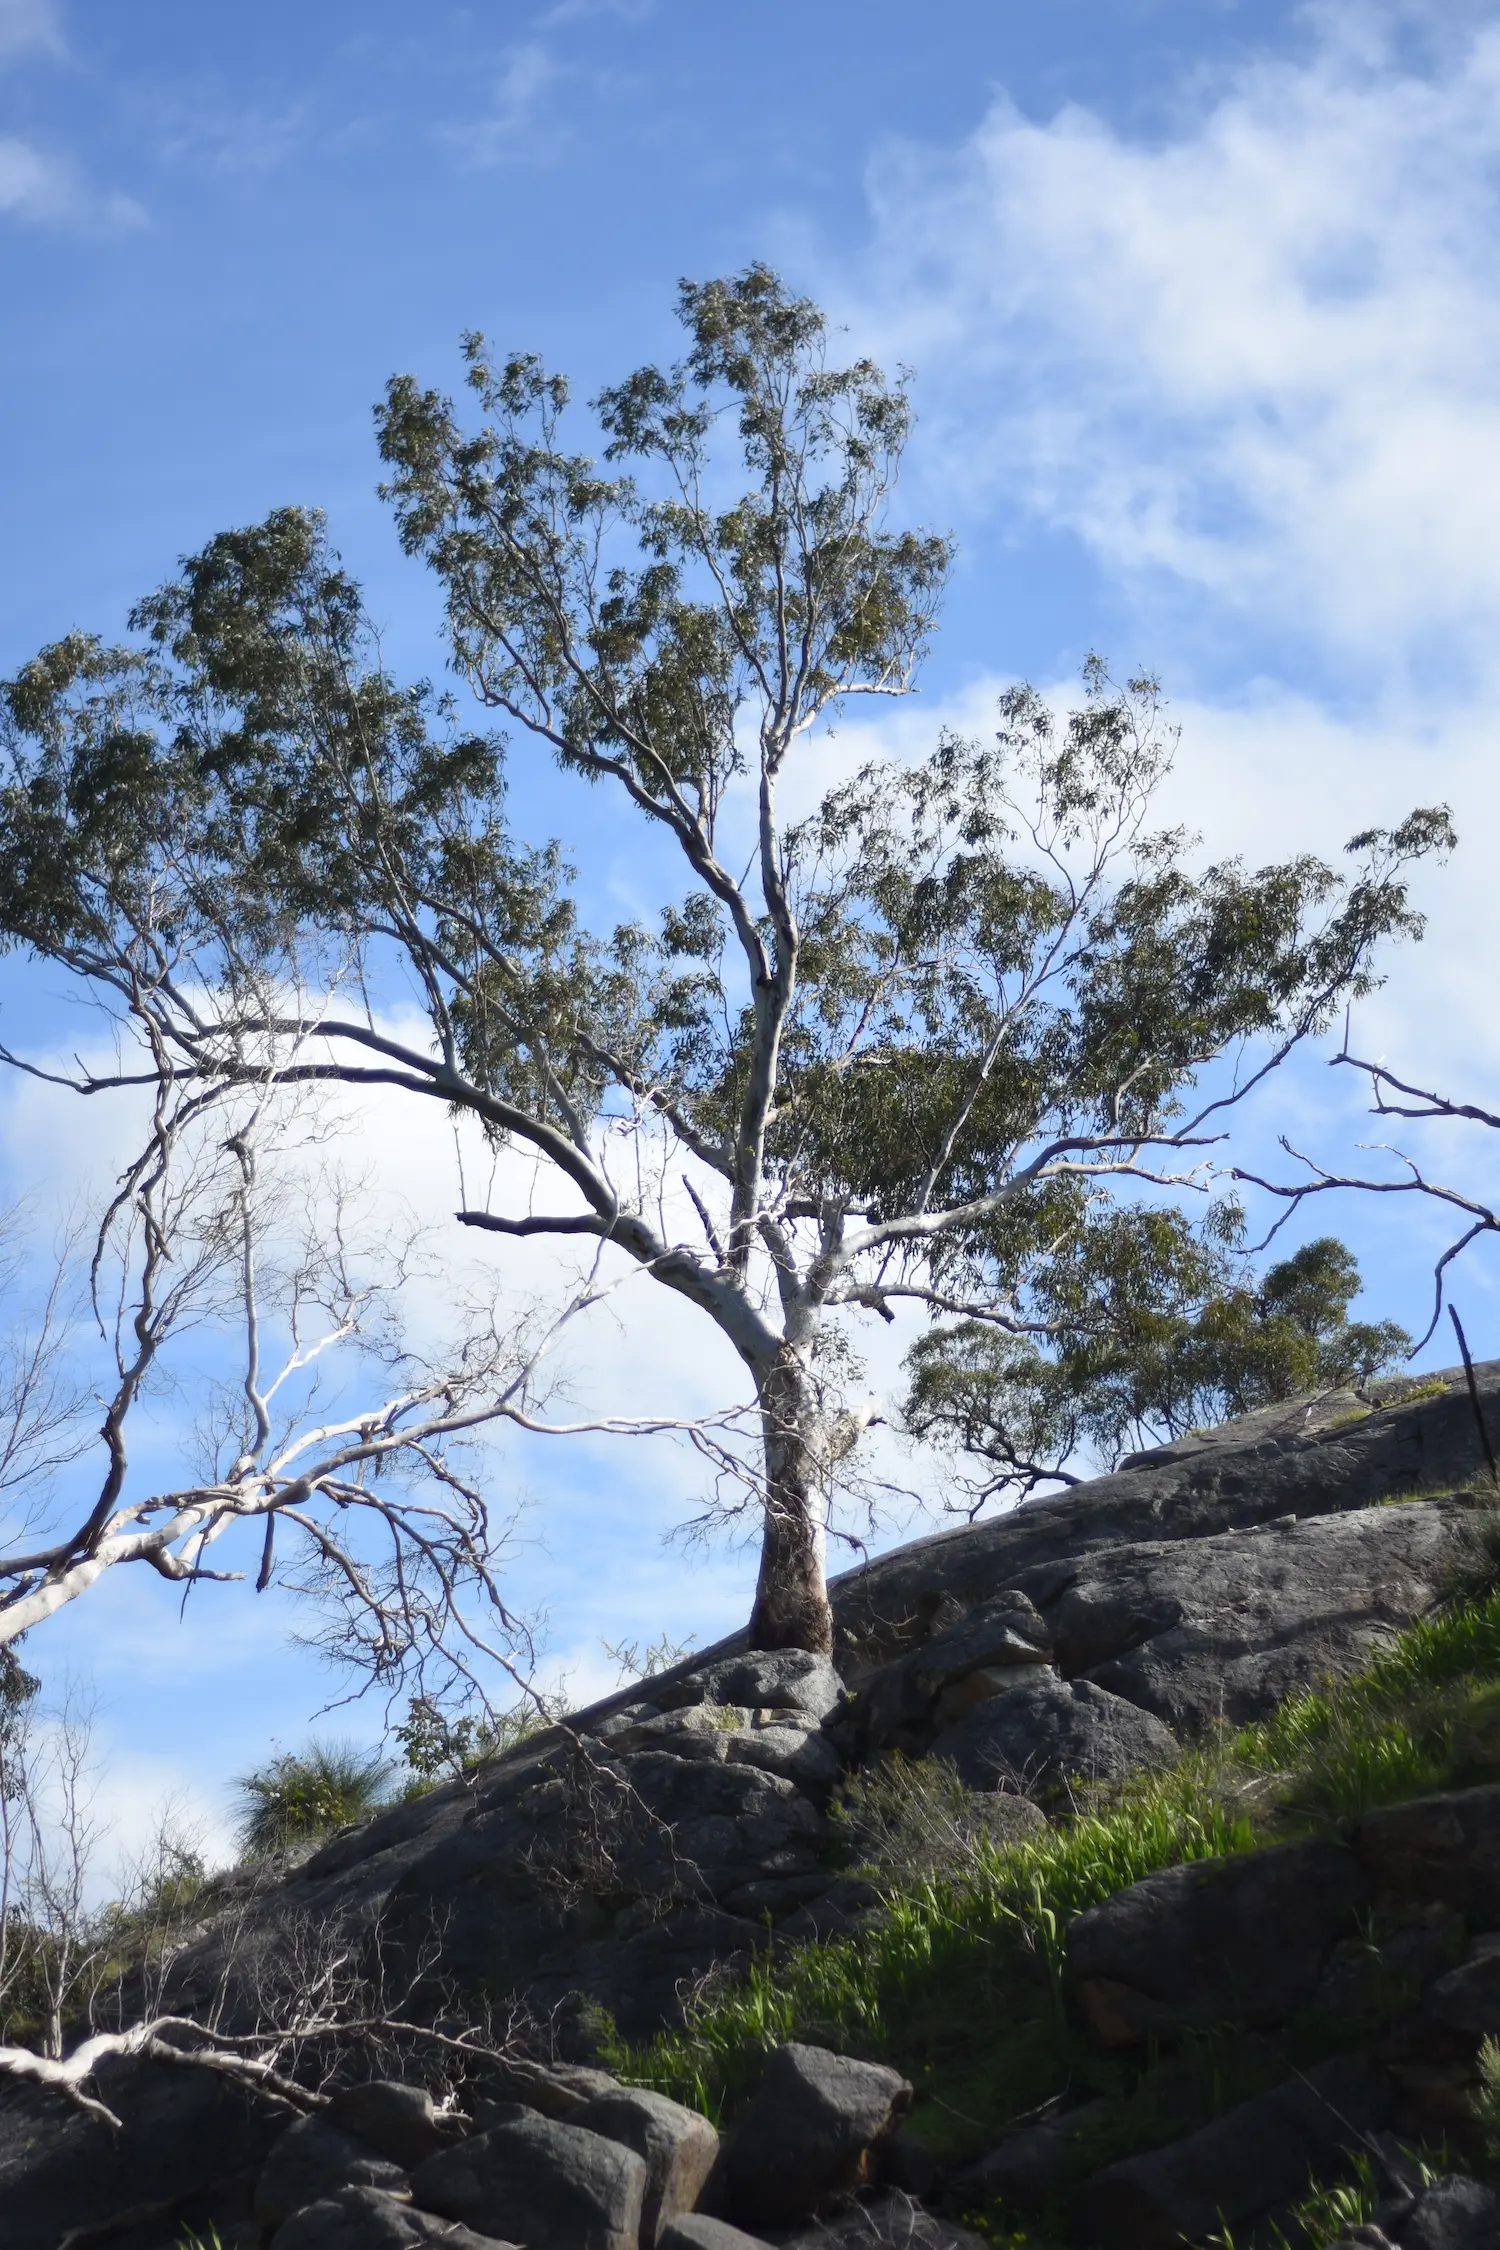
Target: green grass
1423 1715
959 1982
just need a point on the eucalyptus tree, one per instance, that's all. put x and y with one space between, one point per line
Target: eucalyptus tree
889 1040
1151 1328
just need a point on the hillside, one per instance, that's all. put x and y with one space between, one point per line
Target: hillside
1132 1931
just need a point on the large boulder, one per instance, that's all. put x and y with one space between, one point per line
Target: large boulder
1444 1847
366 2219
1224 1628
695 2230
806 2134
190 2146
1239 1940
1254 2161
677 2146
1049 1731
888 2221
1453 2213
782 1679
396 2121
312 2160
538 2181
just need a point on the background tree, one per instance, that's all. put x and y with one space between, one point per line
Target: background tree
894 1040
1152 1330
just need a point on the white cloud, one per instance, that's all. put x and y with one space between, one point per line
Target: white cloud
30 27
511 126
1260 355
48 190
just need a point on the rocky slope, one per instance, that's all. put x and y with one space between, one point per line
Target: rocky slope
617 1861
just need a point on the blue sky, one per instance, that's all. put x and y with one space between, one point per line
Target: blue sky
1201 304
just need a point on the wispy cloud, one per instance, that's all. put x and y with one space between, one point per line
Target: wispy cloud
1260 356
30 27
514 119
41 189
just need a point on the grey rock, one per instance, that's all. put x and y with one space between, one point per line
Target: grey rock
366 2219
1453 2214
677 2146
1230 1940
311 2160
807 1758
551 2089
695 2230
1315 1456
787 1679
910 2165
998 1644
1005 1817
621 1722
1226 1627
398 2122
1053 1730
1254 2161
1027 2165
1467 1999
538 2181
892 2221
806 2133
189 2140
780 1894
1444 1847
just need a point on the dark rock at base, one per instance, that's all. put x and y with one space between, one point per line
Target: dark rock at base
1228 1940
1453 2214
365 2219
1254 2161
311 2160
677 2146
908 2164
805 2134
1440 1847
399 2122
191 2145
883 2222
1026 2166
695 2230
1467 1999
1053 1730
538 2181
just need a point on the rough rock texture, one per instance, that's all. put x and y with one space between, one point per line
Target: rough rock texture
621 1857
1049 1730
1219 1941
1255 2160
365 2219
676 2145
695 2230
1443 1847
395 2121
884 2222
311 2160
1208 1577
806 2134
1453 2214
536 2181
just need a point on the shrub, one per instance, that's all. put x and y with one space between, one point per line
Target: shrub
301 1796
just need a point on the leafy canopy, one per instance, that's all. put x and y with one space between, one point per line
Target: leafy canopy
912 1034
